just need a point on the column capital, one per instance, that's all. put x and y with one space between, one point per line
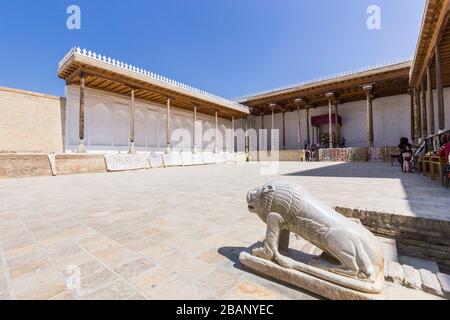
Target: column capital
272 106
329 96
303 100
368 88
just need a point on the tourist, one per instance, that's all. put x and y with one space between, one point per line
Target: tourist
306 143
444 149
405 149
447 146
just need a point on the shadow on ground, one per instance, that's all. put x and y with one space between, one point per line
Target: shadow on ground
232 253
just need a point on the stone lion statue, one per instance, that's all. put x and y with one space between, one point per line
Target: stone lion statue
352 256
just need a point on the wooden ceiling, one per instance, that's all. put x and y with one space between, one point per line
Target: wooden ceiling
105 78
435 29
444 50
387 81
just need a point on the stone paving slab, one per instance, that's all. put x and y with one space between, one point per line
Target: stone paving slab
170 232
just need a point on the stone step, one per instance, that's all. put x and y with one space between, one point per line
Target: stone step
418 263
444 281
411 278
430 282
394 272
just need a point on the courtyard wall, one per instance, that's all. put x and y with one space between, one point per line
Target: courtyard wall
31 122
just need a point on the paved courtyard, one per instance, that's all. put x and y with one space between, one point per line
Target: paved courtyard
171 233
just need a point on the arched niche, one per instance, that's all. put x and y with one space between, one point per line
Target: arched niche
208 136
151 125
100 128
121 128
139 128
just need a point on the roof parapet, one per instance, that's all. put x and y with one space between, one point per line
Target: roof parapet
143 72
325 78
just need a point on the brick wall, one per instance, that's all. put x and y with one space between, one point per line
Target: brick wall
30 122
79 163
24 165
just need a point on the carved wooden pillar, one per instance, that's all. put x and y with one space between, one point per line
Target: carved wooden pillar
308 121
330 97
81 147
194 133
232 136
299 132
417 116
132 124
423 102
272 128
259 135
284 129
336 120
216 134
247 140
431 127
168 133
412 114
368 90
440 92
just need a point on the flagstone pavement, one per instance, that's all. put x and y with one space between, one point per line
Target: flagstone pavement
172 233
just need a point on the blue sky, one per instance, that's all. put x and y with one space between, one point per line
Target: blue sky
226 47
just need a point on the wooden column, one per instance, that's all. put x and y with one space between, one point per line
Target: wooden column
308 121
232 136
330 97
132 124
194 133
284 129
81 147
299 129
423 102
299 132
314 135
168 133
336 121
440 92
216 132
259 134
431 127
368 90
272 128
247 140
417 116
412 114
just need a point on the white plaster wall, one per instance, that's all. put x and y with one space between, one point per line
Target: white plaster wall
107 125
